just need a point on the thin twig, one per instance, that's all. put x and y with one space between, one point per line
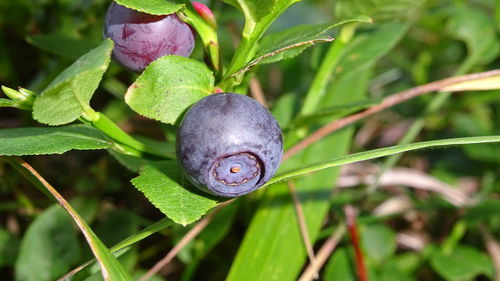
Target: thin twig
350 214
197 229
302 225
386 103
257 93
493 248
323 254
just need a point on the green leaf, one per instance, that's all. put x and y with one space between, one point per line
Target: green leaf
478 31
153 7
68 96
291 42
366 50
168 86
34 141
464 263
166 188
382 152
378 9
379 242
49 248
61 45
340 266
9 247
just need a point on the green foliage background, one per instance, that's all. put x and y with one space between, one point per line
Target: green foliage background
425 236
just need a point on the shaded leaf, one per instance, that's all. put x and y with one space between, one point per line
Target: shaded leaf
61 45
33 141
168 86
68 96
478 31
464 263
165 187
379 241
49 247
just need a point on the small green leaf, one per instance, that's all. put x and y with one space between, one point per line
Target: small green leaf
165 187
153 7
68 96
49 248
168 86
464 263
379 242
295 40
478 31
34 141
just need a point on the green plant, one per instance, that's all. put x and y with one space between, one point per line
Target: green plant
380 47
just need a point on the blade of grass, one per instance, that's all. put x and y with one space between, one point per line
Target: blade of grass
111 269
381 152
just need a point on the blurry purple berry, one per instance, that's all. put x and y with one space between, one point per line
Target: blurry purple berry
141 38
229 145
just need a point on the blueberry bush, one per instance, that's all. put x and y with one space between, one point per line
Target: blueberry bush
250 140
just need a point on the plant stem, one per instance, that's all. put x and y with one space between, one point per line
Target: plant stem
125 141
352 227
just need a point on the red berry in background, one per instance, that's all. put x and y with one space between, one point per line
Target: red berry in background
205 13
141 38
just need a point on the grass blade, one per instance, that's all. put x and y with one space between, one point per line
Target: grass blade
381 152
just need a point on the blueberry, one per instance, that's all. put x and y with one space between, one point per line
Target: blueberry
229 145
141 38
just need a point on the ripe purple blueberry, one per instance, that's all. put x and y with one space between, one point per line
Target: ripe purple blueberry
141 38
229 145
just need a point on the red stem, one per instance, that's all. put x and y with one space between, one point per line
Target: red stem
353 232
